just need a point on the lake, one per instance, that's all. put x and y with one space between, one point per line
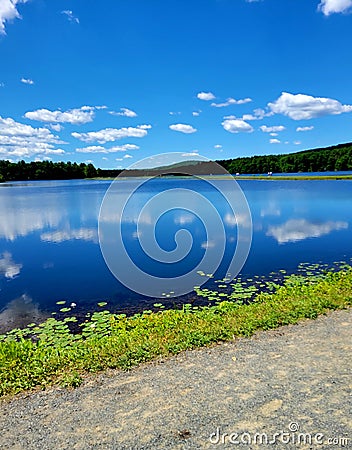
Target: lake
49 241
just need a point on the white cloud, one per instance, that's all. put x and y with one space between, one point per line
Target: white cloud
297 142
76 116
304 128
112 134
273 134
194 153
301 106
258 114
233 125
183 128
100 149
232 101
275 141
8 12
274 129
128 156
8 267
206 96
55 126
71 17
217 146
175 113
299 229
184 219
334 6
123 148
27 81
42 158
196 113
124 112
230 220
19 140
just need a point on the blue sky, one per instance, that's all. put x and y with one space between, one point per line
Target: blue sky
119 80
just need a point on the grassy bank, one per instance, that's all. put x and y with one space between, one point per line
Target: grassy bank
48 354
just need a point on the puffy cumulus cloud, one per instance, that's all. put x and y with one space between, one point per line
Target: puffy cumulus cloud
124 112
112 134
258 114
19 140
183 128
206 96
275 141
233 125
8 12
100 149
232 101
299 229
274 129
304 128
328 7
70 16
301 106
27 81
76 116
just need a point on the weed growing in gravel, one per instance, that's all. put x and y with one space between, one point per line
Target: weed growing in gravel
50 353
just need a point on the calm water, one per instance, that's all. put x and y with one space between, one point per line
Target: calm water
49 246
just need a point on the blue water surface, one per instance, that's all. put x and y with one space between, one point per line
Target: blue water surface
49 245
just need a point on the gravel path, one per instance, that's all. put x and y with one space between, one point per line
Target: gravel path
293 377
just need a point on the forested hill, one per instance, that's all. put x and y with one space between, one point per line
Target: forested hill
48 170
335 158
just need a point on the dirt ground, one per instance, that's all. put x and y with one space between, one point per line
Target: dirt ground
288 388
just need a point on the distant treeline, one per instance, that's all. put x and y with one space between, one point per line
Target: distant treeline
48 170
335 158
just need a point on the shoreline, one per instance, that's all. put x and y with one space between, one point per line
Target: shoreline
49 354
295 376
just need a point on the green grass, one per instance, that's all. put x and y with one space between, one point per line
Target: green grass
48 354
